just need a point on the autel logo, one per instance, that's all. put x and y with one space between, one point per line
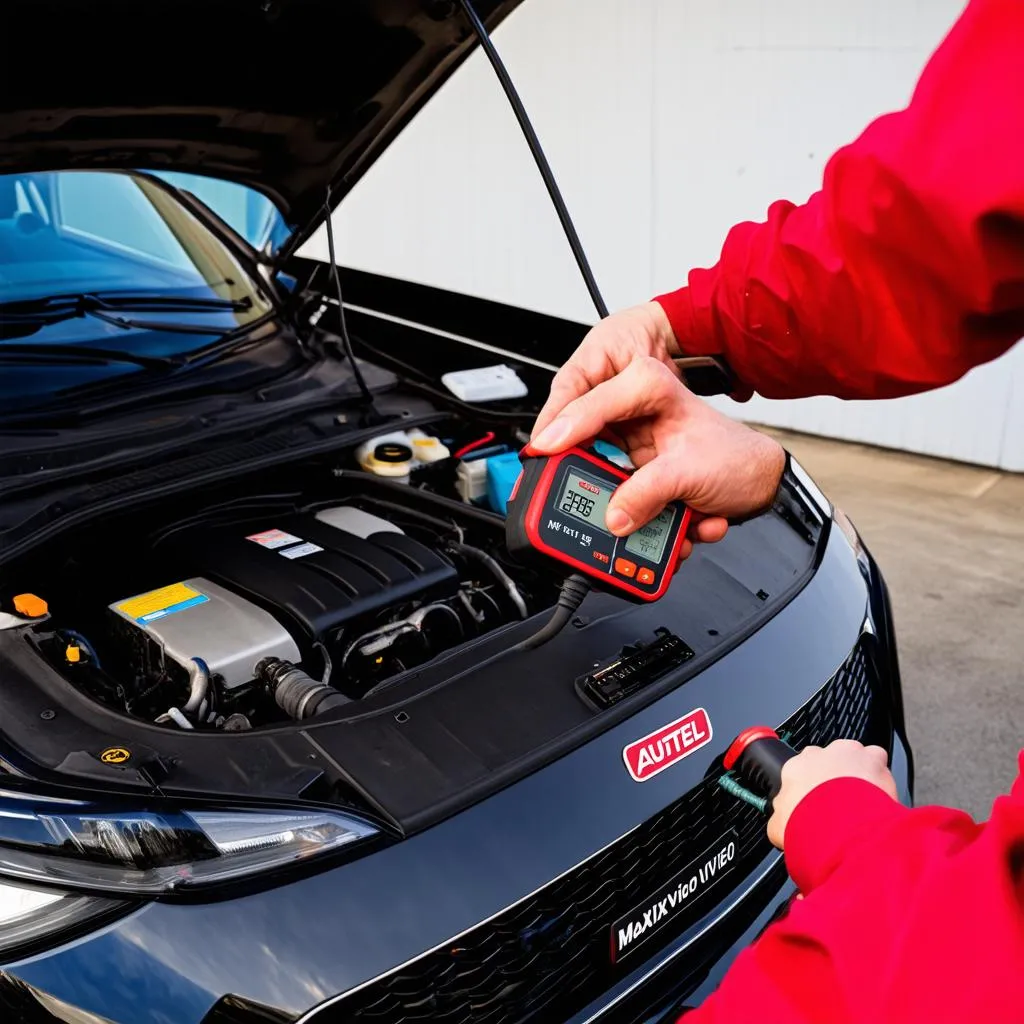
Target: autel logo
671 743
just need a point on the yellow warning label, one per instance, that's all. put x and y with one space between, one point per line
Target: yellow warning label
156 601
115 755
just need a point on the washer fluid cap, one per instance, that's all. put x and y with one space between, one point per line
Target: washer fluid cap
388 457
30 606
392 452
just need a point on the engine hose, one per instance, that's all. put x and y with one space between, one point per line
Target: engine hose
416 618
198 686
391 631
499 574
174 715
297 694
328 666
369 486
423 517
574 590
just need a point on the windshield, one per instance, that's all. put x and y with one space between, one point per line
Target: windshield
111 262
248 212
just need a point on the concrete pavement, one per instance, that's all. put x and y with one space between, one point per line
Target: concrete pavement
950 541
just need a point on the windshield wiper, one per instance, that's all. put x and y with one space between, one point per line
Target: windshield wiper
134 303
32 315
43 352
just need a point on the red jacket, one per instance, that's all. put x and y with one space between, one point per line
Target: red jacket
907 268
902 273
908 915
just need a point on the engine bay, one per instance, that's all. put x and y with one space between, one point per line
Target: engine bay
346 627
277 599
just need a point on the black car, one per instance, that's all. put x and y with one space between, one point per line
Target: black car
271 749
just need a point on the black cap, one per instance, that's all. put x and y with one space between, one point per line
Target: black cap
392 451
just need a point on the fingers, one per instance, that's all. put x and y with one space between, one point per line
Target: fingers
711 529
640 390
640 498
706 535
685 550
634 333
815 766
568 384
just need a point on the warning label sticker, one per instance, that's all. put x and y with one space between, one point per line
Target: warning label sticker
301 551
158 603
273 539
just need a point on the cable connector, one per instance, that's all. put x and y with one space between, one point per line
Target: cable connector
731 785
574 589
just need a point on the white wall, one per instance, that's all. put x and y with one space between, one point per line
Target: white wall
666 122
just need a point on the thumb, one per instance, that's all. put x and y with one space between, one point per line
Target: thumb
644 495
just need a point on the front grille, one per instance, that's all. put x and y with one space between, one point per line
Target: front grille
548 956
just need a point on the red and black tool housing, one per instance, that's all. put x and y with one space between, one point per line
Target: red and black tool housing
541 519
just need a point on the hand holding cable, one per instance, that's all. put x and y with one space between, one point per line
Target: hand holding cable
784 777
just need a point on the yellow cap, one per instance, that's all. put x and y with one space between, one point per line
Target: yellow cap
31 606
73 653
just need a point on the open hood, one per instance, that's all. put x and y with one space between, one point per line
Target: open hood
286 96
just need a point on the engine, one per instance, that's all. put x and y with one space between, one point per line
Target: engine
272 608
289 592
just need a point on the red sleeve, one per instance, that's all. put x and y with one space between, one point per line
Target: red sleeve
907 915
907 268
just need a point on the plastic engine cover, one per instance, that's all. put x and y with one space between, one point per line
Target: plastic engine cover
311 574
198 619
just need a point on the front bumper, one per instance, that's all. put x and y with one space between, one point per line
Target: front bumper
661 989
312 949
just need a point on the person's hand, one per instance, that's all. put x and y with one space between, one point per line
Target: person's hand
682 447
841 759
607 350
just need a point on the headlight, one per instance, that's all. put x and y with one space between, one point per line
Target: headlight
129 852
28 916
849 531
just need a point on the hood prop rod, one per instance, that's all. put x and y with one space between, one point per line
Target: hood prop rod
346 340
575 587
512 95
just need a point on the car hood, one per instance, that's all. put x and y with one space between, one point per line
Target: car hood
290 97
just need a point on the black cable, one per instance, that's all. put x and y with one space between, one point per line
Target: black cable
538 155
346 341
574 590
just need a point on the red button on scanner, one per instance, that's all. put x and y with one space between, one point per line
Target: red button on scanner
624 567
645 576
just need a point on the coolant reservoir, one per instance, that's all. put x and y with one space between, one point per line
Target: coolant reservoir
426 448
395 455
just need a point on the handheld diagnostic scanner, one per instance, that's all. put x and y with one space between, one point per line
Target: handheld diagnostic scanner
557 509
